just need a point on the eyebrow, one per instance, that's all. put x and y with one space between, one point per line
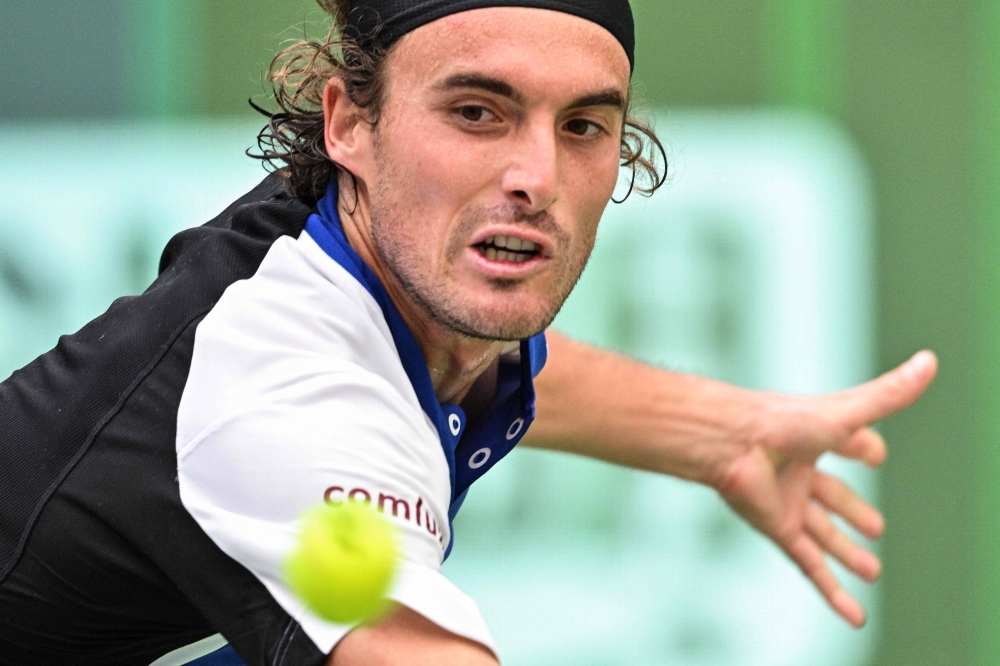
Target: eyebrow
610 97
487 83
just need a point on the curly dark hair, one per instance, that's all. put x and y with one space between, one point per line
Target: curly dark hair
292 142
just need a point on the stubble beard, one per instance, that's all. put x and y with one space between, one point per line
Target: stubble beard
401 254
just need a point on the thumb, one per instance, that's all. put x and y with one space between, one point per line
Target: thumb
895 390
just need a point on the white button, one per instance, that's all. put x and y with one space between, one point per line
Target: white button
514 429
479 458
455 424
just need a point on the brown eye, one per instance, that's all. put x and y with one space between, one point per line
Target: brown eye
473 113
581 127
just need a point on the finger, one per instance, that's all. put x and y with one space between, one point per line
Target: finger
838 497
809 557
826 535
865 445
893 391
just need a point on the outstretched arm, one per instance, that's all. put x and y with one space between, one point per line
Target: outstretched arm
758 450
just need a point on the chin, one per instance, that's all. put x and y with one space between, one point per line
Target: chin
502 322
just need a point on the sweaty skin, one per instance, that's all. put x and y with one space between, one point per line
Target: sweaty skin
511 137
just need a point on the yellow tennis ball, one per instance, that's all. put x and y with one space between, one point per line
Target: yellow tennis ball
345 562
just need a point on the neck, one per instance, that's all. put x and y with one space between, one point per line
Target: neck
455 361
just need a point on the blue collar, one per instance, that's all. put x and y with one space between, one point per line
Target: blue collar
470 454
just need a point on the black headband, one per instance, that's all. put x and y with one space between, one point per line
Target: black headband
394 18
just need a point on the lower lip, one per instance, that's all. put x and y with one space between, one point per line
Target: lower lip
506 269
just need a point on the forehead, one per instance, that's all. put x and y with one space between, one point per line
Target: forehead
535 50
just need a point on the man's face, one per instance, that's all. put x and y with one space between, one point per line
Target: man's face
497 151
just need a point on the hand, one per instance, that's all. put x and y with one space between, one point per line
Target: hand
774 485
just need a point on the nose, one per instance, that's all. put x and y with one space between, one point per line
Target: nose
532 177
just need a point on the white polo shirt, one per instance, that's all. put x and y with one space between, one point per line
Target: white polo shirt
306 386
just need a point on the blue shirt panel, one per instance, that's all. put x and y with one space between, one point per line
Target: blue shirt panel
469 454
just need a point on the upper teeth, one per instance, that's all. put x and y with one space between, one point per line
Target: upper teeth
511 243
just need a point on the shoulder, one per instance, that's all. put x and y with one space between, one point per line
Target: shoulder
300 324
295 380
243 232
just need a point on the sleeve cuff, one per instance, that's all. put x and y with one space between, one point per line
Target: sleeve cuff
423 591
429 593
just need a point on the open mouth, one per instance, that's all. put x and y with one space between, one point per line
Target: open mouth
508 248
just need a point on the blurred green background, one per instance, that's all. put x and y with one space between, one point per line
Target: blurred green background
915 84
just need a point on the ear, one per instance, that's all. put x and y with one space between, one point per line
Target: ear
346 135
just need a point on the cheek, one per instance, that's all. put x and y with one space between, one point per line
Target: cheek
426 183
608 173
592 175
592 187
444 167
